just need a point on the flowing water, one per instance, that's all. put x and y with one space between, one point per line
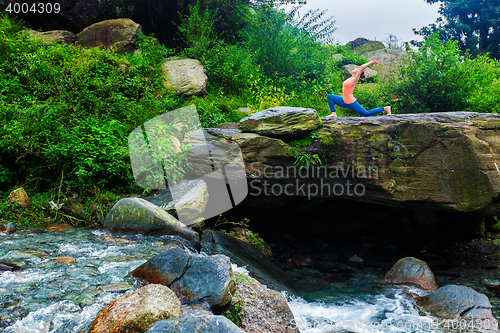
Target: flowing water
68 277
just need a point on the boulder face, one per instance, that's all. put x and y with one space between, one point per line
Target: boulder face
436 161
185 77
411 271
139 215
122 32
266 310
192 277
281 120
208 324
458 302
136 311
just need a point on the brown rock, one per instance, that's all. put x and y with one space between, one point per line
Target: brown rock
266 310
20 197
64 260
136 311
59 227
108 33
411 271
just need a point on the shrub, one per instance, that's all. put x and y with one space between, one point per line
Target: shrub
67 109
438 78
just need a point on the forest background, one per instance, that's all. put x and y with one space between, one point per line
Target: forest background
66 111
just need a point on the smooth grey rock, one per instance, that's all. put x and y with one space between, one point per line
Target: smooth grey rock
185 77
189 198
193 277
205 324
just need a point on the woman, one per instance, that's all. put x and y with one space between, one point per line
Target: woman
348 100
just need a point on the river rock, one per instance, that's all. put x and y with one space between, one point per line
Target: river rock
136 311
138 215
266 310
457 302
20 197
193 277
281 120
188 198
107 33
411 271
246 255
185 77
205 324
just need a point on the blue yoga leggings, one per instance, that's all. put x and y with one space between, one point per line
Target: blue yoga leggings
356 107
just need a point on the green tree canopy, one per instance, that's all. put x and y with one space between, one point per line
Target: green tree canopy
474 24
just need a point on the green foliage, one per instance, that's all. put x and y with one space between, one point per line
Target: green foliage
197 30
327 140
66 108
348 56
473 24
285 45
438 78
230 67
235 311
301 143
304 159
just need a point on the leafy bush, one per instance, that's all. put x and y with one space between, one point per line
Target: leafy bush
66 108
438 78
285 46
197 30
230 67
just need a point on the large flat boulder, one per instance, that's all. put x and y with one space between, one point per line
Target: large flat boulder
436 161
281 120
193 277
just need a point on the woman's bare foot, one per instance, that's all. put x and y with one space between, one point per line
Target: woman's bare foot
387 109
332 115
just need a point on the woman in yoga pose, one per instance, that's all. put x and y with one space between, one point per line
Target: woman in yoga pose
348 100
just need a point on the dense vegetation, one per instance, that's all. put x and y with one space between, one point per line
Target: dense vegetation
66 111
473 24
